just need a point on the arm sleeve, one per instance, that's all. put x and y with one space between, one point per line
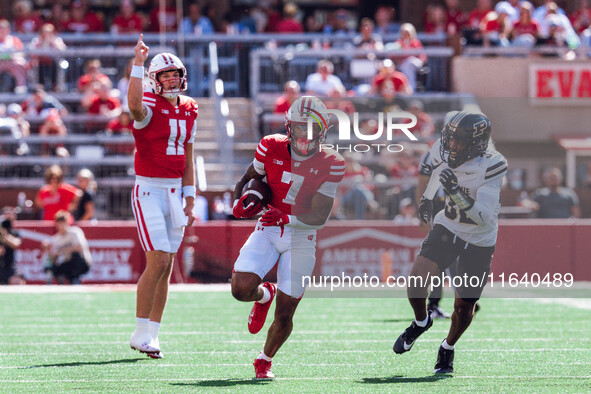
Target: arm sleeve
144 123
329 189
487 199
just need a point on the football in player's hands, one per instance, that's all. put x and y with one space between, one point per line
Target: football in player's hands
257 192
449 181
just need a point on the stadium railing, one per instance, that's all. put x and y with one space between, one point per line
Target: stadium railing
233 53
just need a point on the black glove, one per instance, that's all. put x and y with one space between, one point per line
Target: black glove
425 210
449 181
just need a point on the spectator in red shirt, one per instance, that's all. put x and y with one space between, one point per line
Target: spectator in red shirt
25 20
55 195
456 19
104 103
289 23
496 26
83 21
291 92
121 124
525 32
483 7
409 65
164 19
127 21
93 74
58 17
581 18
435 19
53 125
388 81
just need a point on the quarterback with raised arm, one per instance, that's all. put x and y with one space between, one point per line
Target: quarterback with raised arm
164 129
466 229
303 178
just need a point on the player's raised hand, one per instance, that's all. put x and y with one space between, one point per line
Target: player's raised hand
141 52
449 181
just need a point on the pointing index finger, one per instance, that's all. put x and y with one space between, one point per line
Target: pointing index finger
140 39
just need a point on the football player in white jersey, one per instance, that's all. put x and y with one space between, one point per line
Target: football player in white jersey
466 229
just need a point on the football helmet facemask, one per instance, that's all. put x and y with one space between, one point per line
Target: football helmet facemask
166 62
304 110
464 137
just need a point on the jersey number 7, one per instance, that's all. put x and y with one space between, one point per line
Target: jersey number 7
296 184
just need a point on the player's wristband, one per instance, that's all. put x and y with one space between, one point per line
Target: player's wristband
137 72
462 200
189 191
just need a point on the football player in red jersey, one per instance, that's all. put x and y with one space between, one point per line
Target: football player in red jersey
164 130
303 178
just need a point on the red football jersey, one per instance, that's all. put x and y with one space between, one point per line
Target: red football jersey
293 182
162 141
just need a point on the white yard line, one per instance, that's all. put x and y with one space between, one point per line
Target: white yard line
579 303
355 378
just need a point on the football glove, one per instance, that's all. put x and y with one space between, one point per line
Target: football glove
242 212
449 181
425 212
274 217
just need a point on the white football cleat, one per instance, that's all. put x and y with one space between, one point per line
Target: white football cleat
143 343
160 354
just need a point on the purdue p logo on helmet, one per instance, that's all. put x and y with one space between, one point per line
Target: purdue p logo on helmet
306 110
166 62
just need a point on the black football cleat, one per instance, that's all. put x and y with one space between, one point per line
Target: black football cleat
445 361
409 336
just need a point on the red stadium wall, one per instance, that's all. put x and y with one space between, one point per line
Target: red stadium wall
524 246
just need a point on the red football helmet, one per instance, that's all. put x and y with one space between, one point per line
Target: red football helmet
165 62
305 110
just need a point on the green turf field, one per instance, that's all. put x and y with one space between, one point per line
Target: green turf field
79 341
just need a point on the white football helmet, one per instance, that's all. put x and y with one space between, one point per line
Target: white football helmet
164 62
304 109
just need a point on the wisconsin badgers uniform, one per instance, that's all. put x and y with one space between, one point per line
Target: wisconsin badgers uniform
161 140
293 181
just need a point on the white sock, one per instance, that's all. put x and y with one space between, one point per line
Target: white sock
142 324
263 356
446 346
422 323
266 296
154 329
